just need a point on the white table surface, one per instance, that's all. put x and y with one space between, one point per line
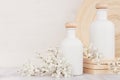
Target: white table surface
11 74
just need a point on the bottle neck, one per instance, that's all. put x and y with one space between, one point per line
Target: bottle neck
101 14
71 32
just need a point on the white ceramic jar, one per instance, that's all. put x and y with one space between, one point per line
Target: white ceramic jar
102 33
72 49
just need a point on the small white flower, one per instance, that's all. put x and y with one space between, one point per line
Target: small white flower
54 64
93 54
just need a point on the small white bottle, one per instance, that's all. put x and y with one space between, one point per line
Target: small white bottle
102 33
72 49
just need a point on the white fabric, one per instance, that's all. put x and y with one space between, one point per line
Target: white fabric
11 74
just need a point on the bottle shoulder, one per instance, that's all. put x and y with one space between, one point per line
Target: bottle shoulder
72 41
102 23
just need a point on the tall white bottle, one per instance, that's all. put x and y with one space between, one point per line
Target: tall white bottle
102 33
72 49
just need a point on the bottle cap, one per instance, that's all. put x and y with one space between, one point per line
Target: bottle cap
101 6
71 25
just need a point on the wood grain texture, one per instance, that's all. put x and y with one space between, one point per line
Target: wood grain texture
95 67
91 71
87 14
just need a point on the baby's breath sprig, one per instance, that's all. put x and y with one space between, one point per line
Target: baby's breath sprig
53 64
93 54
114 66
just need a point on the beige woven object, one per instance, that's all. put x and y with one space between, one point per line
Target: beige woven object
95 71
87 14
94 68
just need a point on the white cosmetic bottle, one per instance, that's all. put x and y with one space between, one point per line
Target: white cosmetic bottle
72 49
102 33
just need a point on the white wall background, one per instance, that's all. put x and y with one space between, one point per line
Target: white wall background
27 26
